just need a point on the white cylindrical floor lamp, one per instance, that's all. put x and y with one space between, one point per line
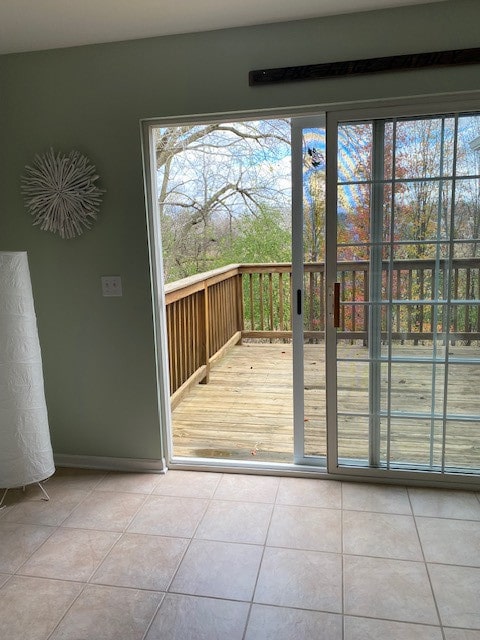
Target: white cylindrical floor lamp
25 450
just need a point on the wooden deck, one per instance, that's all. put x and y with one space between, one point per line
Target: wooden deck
246 409
245 412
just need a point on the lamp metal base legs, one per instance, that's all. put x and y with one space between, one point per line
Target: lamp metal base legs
45 495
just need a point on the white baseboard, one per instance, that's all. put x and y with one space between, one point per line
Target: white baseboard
110 464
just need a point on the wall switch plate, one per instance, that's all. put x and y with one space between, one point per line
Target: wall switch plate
111 286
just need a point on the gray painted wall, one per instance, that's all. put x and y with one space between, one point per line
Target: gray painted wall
98 352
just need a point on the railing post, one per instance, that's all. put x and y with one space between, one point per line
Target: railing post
366 298
239 305
467 328
206 334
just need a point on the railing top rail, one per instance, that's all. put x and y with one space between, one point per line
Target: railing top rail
266 267
198 281
426 263
187 286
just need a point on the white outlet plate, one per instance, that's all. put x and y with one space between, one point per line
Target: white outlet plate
111 286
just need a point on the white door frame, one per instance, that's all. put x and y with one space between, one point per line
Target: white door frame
303 466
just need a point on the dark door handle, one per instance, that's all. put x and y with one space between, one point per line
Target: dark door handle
336 304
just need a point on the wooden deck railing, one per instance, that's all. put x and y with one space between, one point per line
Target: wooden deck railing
204 318
209 312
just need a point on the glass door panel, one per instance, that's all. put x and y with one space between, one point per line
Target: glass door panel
308 156
406 306
353 223
315 421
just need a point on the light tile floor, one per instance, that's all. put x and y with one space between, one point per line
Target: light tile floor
194 555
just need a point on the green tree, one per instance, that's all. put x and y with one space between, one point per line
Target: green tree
264 236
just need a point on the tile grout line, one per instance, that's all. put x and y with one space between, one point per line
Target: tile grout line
88 492
189 538
88 495
54 530
84 583
442 631
78 582
168 587
274 504
88 581
62 617
157 609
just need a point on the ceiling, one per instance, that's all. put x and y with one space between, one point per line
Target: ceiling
31 25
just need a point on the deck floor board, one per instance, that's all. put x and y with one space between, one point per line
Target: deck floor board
245 412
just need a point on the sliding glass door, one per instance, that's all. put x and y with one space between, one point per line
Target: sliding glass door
403 285
381 298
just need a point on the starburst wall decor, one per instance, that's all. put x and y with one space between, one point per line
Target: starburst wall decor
60 193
